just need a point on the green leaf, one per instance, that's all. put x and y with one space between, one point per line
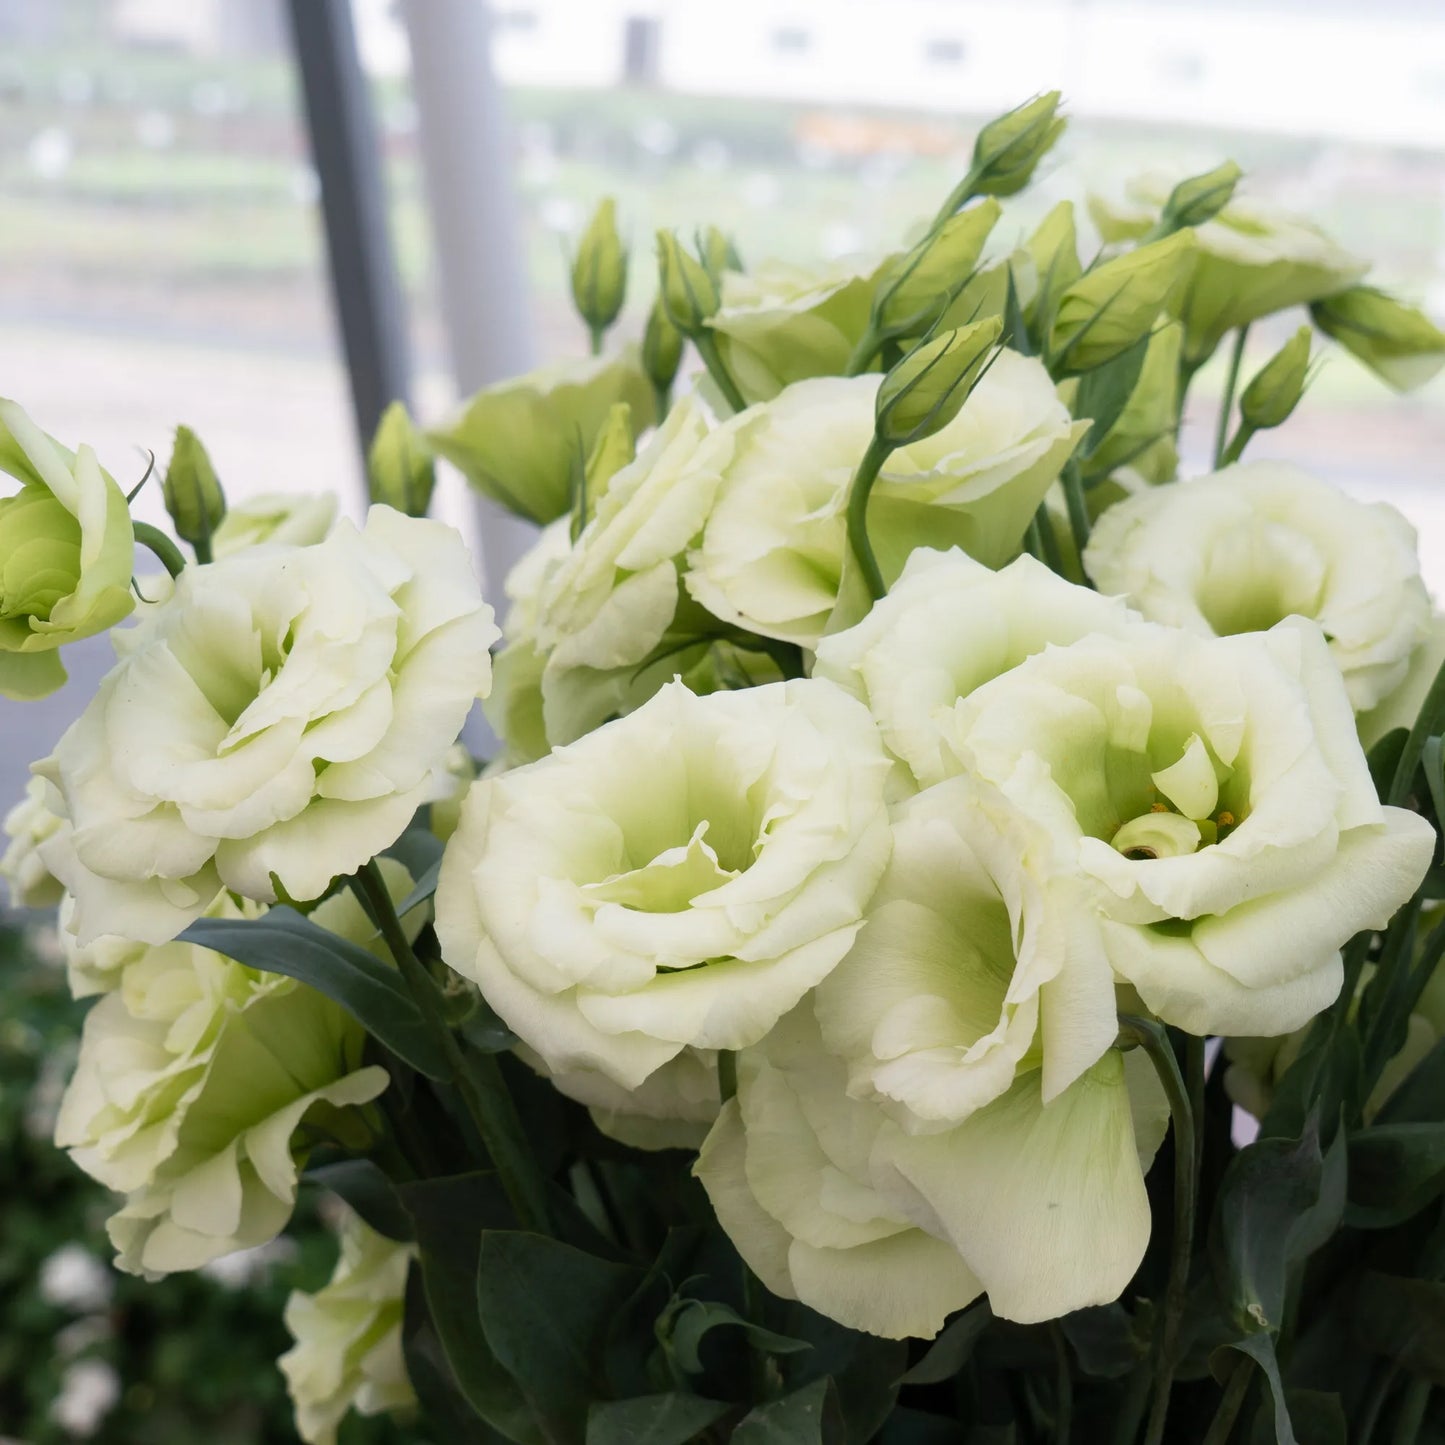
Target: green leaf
951 1350
446 1410
1384 758
691 1321
545 1309
1324 1081
810 1416
449 1216
1404 1320
425 886
1104 392
1104 1340
1015 328
1420 1097
1395 1171
864 1368
1278 1202
282 941
651 1419
917 1427
369 1192
1318 1418
419 851
1260 1348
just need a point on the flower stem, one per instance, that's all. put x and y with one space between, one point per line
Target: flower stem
863 352
960 196
1226 403
155 540
662 401
595 335
1073 484
1237 444
858 490
478 1078
1151 1037
712 359
1231 1403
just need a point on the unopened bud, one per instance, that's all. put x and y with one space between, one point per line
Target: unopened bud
1397 342
928 388
718 252
689 294
1277 386
915 288
599 270
661 348
1009 149
400 466
1199 199
192 491
1109 308
1054 248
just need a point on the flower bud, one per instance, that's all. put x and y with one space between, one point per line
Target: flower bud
1008 149
400 467
1397 342
928 388
718 252
661 348
1054 248
1278 385
1199 199
615 448
916 287
599 270
689 294
1110 307
192 492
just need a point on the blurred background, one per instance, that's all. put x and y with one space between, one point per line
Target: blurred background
163 259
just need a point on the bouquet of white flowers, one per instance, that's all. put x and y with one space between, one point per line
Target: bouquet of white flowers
924 828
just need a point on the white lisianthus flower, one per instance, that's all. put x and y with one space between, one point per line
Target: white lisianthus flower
947 626
27 825
612 601
789 1170
1401 706
278 719
1244 548
292 519
194 1077
774 556
348 1352
780 323
679 878
1214 793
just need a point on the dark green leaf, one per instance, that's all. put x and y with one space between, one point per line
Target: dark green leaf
651 1420
1404 1320
369 1192
690 1323
864 1368
425 886
419 851
1015 328
1395 1171
950 1351
1384 758
810 1416
1260 1348
1420 1097
1318 1418
282 941
1104 393
545 1310
918 1427
484 1030
1104 1340
449 1216
1325 1080
446 1410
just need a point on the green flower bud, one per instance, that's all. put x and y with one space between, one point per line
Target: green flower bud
689 294
1278 385
192 492
400 467
718 252
1110 307
1200 198
661 348
599 270
1054 248
1009 149
1397 342
66 552
928 388
916 287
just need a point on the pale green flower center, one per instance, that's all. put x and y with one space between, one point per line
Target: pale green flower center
39 553
1255 578
1185 807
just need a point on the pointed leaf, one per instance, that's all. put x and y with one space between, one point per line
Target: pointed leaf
951 1350
362 1185
446 1410
810 1416
691 1323
1260 1348
1395 1171
1404 1320
651 1419
282 941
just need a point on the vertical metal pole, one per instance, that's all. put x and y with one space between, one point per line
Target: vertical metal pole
364 279
476 233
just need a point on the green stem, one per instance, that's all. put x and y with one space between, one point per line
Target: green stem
712 359
662 402
1155 1042
1411 1415
203 550
864 352
1131 1410
1226 404
478 1077
1241 439
858 490
1064 1388
1194 1081
595 336
959 197
171 556
1427 721
1049 554
1232 1402
1073 484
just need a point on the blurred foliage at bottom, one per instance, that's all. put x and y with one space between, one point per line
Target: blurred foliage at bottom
88 1353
